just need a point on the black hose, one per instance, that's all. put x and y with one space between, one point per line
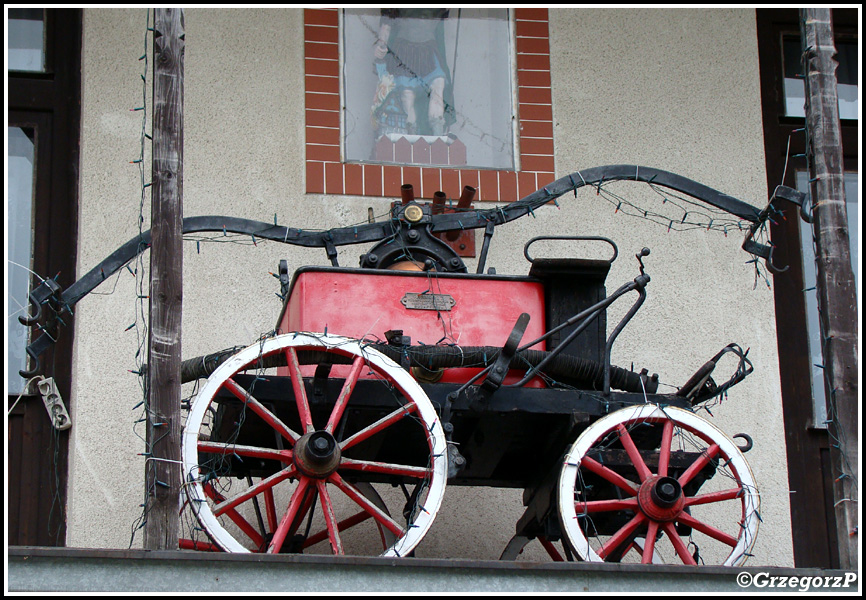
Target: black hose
573 370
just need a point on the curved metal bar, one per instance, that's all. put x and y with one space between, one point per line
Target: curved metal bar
372 232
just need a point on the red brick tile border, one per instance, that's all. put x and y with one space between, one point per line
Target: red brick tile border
326 172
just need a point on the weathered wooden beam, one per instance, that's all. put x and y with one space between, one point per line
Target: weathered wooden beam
837 300
163 473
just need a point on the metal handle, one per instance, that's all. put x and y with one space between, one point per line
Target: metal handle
571 237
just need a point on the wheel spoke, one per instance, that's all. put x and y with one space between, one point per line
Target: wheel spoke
551 549
621 536
715 497
254 490
330 519
300 391
258 408
649 543
341 526
379 467
238 520
270 509
699 464
343 398
310 496
665 451
379 425
682 551
610 475
717 534
633 453
187 544
595 506
368 506
251 451
294 504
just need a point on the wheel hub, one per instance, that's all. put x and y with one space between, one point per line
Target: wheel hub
317 454
661 498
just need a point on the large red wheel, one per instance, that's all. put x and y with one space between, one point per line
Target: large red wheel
658 484
320 493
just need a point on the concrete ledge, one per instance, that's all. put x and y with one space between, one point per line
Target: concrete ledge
32 569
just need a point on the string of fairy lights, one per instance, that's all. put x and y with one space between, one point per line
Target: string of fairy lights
140 325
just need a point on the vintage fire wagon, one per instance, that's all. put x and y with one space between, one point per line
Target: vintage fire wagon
385 384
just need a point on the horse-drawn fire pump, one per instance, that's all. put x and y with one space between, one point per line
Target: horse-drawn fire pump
384 384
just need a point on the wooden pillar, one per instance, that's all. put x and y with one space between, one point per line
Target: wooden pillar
163 473
837 300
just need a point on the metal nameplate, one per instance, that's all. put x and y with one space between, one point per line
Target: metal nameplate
428 301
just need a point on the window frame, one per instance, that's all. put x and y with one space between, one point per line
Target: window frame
327 172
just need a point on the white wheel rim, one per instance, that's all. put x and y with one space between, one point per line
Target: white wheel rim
688 422
378 363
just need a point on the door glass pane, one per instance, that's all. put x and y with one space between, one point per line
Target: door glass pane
846 76
21 162
810 281
26 27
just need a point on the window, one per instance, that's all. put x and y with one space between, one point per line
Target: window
440 80
335 167
26 29
22 167
846 76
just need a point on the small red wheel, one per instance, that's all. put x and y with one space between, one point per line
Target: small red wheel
319 494
619 503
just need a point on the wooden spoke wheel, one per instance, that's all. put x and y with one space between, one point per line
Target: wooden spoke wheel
275 463
649 484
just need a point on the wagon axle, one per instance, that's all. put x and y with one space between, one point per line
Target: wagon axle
317 454
661 498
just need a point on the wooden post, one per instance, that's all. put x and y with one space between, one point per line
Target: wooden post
163 473
837 300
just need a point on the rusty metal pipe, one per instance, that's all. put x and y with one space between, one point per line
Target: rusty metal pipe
465 203
438 203
407 193
466 197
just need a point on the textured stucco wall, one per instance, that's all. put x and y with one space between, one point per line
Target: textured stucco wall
676 90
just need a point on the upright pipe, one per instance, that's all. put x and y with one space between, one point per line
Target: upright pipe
837 300
407 193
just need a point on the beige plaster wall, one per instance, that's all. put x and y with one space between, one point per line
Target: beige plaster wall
676 90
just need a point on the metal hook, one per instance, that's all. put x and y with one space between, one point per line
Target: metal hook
29 320
769 262
748 440
34 361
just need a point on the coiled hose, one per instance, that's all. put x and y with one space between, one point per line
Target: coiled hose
573 370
